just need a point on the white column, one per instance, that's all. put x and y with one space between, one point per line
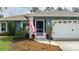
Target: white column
6 27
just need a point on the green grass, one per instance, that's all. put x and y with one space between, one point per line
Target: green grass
5 43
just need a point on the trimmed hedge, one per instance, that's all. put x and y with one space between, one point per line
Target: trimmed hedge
21 36
4 34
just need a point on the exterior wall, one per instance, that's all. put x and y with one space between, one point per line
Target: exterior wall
48 23
18 26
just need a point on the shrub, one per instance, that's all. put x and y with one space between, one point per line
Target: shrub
21 36
18 38
20 33
4 34
11 28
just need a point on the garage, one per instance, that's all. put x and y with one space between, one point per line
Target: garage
65 29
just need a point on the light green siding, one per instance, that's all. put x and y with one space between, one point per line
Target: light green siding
48 23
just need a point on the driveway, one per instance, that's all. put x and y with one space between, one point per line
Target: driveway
64 45
68 45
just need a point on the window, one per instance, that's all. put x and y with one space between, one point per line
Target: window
78 21
69 21
64 21
25 26
55 22
59 21
3 26
74 21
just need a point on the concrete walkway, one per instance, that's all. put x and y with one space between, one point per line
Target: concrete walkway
46 41
64 45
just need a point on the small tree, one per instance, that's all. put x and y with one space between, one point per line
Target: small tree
11 28
35 9
60 8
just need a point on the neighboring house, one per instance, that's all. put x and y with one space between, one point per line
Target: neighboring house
61 24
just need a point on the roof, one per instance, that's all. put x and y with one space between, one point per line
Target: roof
13 18
55 13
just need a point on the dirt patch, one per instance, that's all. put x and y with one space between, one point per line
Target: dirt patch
30 45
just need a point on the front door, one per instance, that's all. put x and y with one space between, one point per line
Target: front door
39 24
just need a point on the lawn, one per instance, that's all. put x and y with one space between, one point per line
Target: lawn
5 43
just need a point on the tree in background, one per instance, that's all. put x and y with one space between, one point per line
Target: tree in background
35 9
49 8
1 15
2 10
75 9
60 8
11 28
65 9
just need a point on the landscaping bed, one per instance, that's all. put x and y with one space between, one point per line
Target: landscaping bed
31 45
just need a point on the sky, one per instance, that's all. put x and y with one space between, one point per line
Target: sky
12 11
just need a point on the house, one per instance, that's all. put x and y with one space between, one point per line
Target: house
61 24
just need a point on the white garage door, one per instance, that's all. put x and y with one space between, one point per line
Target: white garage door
66 29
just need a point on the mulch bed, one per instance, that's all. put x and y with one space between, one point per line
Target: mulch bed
31 45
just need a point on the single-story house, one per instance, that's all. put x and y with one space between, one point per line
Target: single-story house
61 24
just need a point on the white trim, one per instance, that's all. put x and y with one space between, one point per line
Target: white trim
1 26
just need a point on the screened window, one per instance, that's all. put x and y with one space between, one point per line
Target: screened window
64 21
55 22
69 21
3 26
59 21
74 21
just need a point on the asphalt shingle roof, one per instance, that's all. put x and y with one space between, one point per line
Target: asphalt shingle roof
54 13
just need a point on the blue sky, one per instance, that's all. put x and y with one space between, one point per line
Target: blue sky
11 11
